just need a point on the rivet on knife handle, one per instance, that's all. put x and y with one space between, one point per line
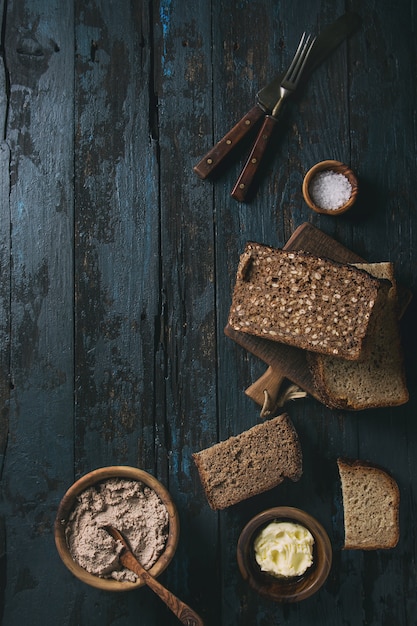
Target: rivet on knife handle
222 149
244 183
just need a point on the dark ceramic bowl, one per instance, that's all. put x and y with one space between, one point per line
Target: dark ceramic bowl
68 502
291 589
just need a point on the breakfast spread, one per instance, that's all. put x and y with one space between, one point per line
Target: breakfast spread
339 320
284 549
135 509
250 463
111 347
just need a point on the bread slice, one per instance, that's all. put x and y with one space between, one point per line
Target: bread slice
371 502
250 463
303 300
378 379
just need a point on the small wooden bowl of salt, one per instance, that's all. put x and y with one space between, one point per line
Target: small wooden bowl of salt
330 187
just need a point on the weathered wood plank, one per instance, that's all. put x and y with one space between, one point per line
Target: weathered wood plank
4 303
187 378
117 230
4 265
38 460
117 256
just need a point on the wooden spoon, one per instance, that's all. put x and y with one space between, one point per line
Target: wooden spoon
185 614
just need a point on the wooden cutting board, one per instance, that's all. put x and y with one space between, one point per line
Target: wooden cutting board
287 362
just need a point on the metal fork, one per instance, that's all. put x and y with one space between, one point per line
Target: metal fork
289 84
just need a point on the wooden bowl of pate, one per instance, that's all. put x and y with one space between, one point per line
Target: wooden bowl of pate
135 503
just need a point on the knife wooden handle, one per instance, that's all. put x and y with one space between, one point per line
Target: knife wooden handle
243 184
222 149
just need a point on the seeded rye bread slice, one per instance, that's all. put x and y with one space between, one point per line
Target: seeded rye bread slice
303 300
371 502
250 463
378 379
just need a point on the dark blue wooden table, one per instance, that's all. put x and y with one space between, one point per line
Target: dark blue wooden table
117 265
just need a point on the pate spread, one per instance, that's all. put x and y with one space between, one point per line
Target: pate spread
284 549
131 507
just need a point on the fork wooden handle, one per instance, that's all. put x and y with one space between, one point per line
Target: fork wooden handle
241 190
222 149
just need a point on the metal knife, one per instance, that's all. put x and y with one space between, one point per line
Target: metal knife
327 41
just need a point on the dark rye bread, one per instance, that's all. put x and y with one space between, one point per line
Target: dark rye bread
371 502
248 464
378 379
303 300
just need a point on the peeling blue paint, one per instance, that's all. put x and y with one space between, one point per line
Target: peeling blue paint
20 207
165 11
165 16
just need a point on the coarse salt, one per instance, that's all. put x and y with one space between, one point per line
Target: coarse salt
330 190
